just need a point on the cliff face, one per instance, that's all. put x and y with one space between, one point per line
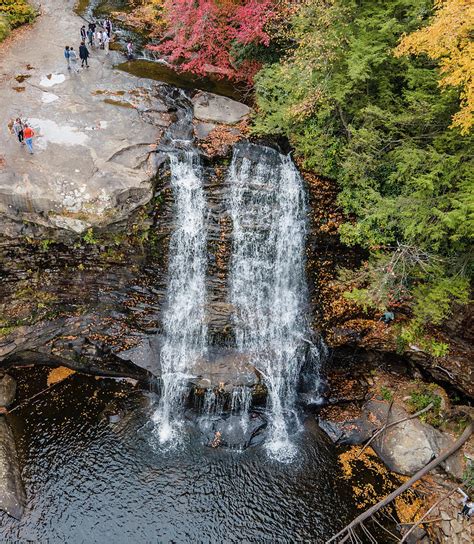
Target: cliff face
349 330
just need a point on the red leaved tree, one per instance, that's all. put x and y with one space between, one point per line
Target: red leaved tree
203 34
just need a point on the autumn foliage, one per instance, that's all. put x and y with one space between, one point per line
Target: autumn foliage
205 36
449 39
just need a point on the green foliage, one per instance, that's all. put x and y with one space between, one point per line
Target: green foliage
468 476
422 397
386 393
16 13
89 237
414 334
4 27
380 126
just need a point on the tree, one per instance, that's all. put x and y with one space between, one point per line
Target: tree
448 39
380 126
205 36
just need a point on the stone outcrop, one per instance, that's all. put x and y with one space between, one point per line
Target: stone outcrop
212 108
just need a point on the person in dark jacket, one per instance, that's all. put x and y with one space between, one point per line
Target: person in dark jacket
83 33
83 55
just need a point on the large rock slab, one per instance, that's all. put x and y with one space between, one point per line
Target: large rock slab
96 132
213 108
409 446
12 493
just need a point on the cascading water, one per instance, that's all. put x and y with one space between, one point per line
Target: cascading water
184 318
267 279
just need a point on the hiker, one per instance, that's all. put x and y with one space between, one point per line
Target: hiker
90 37
73 60
17 128
108 27
66 56
467 506
106 41
83 33
129 51
98 39
28 134
92 27
83 54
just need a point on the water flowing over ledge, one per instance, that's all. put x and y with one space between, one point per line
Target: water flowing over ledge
267 279
184 319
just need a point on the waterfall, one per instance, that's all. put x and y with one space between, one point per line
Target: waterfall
267 278
184 317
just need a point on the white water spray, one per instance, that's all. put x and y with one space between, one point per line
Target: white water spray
184 318
267 279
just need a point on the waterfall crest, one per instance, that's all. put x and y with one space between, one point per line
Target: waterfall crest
184 321
267 279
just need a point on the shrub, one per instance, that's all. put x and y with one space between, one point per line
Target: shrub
17 12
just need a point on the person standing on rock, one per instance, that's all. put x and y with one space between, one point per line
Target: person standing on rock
67 57
73 60
28 134
106 41
17 129
98 39
83 33
108 27
83 54
90 37
129 51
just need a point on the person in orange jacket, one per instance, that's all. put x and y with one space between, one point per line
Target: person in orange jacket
28 134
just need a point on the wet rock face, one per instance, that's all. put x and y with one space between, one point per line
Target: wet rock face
7 390
12 493
230 432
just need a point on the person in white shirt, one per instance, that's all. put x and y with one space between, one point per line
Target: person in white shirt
105 41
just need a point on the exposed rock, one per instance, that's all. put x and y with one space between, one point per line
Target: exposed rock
409 446
7 390
354 431
231 432
202 130
96 132
213 108
224 369
12 493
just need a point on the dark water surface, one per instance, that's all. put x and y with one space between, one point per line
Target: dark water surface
92 481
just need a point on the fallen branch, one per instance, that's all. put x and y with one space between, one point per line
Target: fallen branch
384 502
425 515
388 425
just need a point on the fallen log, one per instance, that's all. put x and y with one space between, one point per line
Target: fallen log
345 533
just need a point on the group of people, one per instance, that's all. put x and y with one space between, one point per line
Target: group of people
94 38
23 132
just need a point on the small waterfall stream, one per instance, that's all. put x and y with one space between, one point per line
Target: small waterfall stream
184 318
267 278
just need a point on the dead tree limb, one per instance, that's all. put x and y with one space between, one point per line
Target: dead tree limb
384 502
425 515
388 425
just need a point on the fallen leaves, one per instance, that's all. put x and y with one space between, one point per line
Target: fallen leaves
59 374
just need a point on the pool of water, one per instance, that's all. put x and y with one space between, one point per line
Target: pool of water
89 480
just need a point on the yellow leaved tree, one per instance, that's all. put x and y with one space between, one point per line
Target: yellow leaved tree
449 39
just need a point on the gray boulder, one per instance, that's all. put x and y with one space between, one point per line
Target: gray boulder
7 390
213 108
12 493
409 446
